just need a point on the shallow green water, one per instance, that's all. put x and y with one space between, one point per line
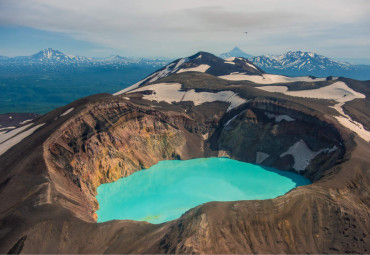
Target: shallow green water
168 189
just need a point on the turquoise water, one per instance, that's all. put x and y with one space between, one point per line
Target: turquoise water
168 189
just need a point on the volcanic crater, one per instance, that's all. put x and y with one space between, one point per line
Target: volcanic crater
49 179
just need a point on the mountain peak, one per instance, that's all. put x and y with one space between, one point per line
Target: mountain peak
303 61
50 54
49 50
116 57
235 52
201 62
52 51
302 54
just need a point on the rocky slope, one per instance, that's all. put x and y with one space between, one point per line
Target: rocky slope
49 177
203 62
9 121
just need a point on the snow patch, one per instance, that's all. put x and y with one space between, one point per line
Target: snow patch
338 91
171 92
278 89
261 156
201 68
162 73
7 128
268 78
136 85
230 59
25 121
6 136
279 118
181 61
341 93
167 92
231 63
155 76
355 126
66 112
251 66
4 146
303 155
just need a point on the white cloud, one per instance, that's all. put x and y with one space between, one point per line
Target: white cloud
176 28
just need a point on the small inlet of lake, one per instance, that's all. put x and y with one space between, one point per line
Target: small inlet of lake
168 189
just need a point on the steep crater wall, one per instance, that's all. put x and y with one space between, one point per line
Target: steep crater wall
109 141
280 136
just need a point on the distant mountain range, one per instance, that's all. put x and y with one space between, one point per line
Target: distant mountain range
297 63
54 57
291 63
49 79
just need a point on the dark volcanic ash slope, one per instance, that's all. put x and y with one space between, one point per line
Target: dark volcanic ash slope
204 62
49 177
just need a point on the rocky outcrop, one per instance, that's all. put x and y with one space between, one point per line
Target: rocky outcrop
264 131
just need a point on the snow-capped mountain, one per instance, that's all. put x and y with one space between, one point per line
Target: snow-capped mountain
55 57
46 56
201 62
292 63
236 52
298 63
52 55
116 58
298 60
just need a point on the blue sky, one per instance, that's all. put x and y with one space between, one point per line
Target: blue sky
176 28
19 41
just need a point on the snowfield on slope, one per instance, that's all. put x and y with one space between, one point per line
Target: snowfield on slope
10 134
268 78
6 145
200 68
67 112
159 74
136 85
171 92
302 154
339 92
279 117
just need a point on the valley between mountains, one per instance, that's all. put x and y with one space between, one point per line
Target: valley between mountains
199 106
